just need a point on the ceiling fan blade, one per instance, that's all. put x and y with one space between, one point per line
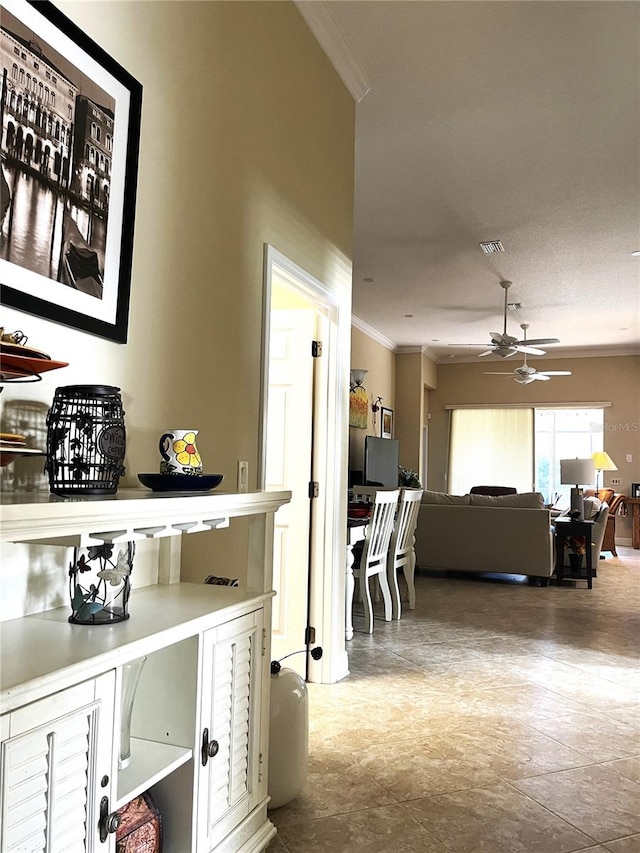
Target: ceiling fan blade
542 376
529 350
556 372
539 341
488 352
496 373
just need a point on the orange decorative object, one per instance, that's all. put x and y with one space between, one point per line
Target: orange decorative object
140 828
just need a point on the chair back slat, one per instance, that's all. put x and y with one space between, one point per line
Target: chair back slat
406 521
380 527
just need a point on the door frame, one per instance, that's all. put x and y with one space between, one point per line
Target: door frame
327 580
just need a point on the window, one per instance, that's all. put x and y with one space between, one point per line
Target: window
520 447
491 447
564 434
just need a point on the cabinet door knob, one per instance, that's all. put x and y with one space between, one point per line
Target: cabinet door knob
109 822
209 748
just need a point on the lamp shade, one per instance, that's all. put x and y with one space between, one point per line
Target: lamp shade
578 472
357 376
603 462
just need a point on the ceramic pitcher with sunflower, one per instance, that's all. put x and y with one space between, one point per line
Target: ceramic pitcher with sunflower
179 452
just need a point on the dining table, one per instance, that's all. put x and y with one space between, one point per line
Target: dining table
357 523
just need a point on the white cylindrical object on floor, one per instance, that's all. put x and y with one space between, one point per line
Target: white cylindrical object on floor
288 737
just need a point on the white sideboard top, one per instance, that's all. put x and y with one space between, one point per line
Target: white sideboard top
128 515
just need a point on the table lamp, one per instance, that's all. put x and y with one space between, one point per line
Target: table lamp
602 462
577 473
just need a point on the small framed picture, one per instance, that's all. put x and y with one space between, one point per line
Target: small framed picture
635 490
386 422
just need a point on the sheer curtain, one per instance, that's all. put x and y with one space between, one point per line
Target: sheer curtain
491 447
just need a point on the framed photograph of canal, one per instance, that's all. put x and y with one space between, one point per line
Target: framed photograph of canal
70 125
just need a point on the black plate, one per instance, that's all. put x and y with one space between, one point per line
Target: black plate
180 482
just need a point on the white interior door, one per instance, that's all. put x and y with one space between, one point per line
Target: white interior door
288 466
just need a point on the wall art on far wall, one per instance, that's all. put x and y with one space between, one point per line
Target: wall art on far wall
386 422
358 407
70 129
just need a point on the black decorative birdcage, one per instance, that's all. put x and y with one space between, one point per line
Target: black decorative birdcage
86 440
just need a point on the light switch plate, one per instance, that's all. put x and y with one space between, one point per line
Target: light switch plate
615 481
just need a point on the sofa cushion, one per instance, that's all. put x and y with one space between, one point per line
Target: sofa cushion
443 498
524 500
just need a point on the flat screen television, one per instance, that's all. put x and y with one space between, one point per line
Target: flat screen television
380 462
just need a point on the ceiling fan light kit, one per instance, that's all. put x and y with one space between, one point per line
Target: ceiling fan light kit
506 345
525 374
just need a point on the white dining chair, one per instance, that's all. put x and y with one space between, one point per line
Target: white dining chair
366 494
373 561
401 555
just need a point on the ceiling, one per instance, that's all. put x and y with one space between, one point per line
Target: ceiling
516 121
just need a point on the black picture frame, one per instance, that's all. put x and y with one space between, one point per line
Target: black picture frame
84 132
386 422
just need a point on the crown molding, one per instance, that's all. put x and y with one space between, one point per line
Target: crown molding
372 333
327 34
551 355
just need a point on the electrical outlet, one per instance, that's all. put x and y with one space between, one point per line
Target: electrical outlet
615 481
243 476
629 457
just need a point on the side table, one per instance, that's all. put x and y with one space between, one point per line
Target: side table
634 503
566 527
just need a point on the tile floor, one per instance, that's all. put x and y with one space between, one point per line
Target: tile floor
495 718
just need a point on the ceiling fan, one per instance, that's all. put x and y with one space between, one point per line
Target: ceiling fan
526 374
506 345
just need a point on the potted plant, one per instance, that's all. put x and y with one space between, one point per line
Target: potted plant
577 549
408 479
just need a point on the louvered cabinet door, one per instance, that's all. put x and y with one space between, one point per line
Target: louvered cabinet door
229 759
54 755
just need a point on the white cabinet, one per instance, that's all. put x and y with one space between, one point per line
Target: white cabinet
55 772
200 721
230 763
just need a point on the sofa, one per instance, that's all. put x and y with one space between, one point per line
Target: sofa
508 534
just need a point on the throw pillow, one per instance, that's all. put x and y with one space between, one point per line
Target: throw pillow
443 498
591 507
524 500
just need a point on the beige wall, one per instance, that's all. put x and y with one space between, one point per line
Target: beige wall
614 380
380 381
247 138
